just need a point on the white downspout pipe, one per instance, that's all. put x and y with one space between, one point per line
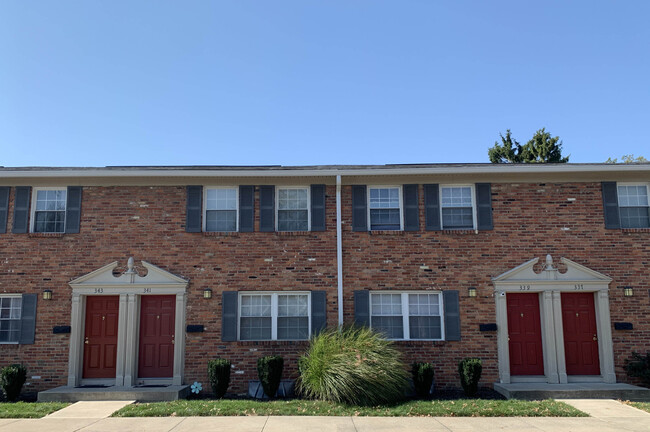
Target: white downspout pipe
339 249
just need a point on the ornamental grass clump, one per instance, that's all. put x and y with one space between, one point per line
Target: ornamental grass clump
353 365
219 376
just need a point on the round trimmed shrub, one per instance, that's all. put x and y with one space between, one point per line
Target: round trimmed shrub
353 365
269 370
12 379
219 376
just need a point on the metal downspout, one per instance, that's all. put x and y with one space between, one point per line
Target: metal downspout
339 249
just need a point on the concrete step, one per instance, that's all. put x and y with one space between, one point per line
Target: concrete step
141 394
536 391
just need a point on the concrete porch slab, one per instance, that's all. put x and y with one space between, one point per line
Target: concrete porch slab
536 391
141 394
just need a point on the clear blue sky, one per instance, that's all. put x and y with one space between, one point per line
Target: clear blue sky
94 83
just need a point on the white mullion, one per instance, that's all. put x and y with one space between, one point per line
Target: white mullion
405 317
274 316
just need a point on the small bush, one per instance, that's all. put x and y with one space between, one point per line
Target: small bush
269 369
12 379
470 370
219 376
639 367
422 378
353 365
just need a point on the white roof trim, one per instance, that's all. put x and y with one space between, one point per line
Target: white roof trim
103 277
524 273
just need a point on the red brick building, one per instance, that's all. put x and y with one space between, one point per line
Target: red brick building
540 270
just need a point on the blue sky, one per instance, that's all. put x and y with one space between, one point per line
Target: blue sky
94 83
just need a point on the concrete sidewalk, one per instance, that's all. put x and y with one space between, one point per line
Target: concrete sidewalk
608 415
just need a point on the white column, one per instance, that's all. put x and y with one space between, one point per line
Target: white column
76 343
605 344
121 340
130 351
559 337
502 337
179 339
548 342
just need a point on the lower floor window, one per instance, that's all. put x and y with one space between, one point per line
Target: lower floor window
274 316
407 315
10 310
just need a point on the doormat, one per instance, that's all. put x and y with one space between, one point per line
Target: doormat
94 386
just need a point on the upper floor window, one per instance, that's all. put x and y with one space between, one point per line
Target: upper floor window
274 316
385 209
633 206
48 210
221 209
407 315
293 209
457 207
10 314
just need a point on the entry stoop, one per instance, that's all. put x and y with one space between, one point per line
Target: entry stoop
140 394
537 391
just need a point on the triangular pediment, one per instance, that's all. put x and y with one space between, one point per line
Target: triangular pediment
574 273
105 276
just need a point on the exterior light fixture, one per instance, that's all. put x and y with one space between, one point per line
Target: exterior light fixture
207 293
628 291
471 292
47 294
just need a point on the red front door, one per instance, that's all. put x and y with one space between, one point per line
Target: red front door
100 339
580 335
524 334
156 355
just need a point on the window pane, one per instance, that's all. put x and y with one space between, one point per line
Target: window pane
457 218
384 198
633 196
49 221
293 220
386 304
255 328
384 219
635 217
424 304
292 328
292 199
425 327
221 220
456 197
292 306
256 306
392 327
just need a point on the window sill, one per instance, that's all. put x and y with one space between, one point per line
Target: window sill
635 230
45 235
220 234
466 231
386 232
293 233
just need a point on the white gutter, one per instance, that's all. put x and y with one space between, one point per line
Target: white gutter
339 249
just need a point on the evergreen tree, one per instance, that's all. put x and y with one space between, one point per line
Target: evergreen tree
542 148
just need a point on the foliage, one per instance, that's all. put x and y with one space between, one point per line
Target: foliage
645 406
269 370
541 148
12 379
470 370
627 159
353 365
422 378
639 367
219 376
29 409
297 407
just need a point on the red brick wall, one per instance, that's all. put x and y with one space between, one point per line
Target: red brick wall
148 223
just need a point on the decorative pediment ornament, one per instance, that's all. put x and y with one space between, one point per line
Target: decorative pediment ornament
575 273
105 277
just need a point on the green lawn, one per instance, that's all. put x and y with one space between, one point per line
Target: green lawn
437 408
29 409
645 406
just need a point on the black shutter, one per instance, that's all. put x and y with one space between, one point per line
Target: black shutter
246 208
21 209
359 209
318 207
28 319
484 206
411 208
267 208
4 208
318 311
73 209
194 208
452 315
432 207
229 316
610 205
362 308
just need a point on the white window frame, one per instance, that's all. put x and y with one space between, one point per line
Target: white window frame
474 214
205 205
618 198
20 296
405 312
401 204
277 205
32 210
274 313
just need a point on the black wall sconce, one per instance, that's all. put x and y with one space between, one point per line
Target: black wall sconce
47 294
207 293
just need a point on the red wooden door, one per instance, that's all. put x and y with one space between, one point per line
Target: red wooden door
580 335
157 319
524 334
100 338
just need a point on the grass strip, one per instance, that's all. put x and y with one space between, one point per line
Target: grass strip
436 408
29 409
645 406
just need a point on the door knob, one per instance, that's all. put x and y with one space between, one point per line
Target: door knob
595 337
86 341
173 340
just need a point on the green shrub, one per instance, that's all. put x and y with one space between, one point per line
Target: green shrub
639 367
470 370
422 378
269 369
219 376
12 379
353 365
